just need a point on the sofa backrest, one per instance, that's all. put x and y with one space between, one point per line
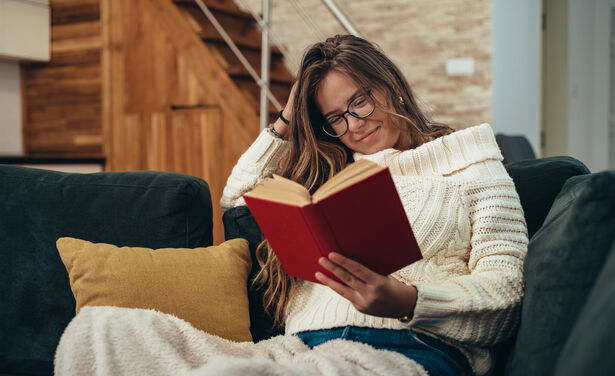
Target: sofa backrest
147 209
564 260
538 182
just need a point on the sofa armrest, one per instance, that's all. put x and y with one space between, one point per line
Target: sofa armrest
564 259
142 208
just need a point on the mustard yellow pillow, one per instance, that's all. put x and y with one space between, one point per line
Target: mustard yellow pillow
206 287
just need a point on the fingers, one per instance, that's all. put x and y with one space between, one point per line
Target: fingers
339 288
356 269
368 291
348 278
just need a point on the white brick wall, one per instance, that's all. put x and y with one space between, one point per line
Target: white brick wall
419 36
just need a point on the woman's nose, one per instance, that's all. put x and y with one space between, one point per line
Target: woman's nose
354 123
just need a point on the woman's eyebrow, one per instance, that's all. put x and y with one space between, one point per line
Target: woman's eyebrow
352 97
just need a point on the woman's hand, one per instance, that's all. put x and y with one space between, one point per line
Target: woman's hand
369 292
279 126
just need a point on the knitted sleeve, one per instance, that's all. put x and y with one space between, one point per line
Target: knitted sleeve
481 308
261 159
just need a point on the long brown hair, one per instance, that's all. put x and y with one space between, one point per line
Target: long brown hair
314 156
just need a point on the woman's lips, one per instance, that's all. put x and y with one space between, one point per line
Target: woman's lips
369 136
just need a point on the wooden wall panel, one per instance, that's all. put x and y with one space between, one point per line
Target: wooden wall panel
132 82
186 141
62 98
170 105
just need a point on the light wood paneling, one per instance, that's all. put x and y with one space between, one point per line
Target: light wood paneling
186 141
131 81
171 106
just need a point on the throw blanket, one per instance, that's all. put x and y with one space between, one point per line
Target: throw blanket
122 341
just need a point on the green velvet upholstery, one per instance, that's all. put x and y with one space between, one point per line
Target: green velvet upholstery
538 181
147 209
239 223
564 259
590 347
157 209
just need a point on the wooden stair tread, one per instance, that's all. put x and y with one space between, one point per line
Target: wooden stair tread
227 7
251 92
210 34
278 76
271 110
243 30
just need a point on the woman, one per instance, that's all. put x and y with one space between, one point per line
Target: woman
445 311
441 313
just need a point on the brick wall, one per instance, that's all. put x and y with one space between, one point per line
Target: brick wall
419 36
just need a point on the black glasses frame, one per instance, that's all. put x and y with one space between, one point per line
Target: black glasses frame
332 133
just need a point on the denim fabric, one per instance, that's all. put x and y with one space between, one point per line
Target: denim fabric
435 356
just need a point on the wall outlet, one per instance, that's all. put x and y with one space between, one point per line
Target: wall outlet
461 66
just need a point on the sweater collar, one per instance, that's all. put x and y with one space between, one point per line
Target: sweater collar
443 155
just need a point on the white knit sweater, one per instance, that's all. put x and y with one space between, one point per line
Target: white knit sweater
468 221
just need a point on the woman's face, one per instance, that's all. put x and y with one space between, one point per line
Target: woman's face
368 135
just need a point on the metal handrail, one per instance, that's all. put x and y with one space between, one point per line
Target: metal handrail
341 17
263 80
242 59
285 51
307 19
265 55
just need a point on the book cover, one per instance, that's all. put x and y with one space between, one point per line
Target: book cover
361 217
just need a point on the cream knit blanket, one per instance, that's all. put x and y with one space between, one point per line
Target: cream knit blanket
121 341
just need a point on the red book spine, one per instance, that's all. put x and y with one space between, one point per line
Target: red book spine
322 233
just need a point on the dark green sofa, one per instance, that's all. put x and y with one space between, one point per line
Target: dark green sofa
565 317
148 209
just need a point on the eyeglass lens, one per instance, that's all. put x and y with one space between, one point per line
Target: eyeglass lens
360 107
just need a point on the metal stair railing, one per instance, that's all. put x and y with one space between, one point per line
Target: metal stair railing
263 80
341 17
285 51
307 19
263 83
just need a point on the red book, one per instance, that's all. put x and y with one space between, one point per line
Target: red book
357 213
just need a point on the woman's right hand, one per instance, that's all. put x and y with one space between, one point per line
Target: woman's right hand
279 125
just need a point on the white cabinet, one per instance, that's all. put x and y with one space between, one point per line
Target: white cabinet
25 30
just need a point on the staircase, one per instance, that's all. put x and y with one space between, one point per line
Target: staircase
244 31
149 85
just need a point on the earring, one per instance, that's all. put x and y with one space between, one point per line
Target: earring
401 100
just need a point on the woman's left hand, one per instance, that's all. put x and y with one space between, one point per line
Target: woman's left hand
368 291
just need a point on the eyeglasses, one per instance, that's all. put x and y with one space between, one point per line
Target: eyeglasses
361 107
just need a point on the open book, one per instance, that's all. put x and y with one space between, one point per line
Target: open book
357 213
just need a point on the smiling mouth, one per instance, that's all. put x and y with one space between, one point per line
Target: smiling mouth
367 136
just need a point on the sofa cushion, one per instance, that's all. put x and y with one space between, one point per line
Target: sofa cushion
591 340
146 209
563 260
203 286
239 223
538 181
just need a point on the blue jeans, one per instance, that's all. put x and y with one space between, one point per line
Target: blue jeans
434 355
